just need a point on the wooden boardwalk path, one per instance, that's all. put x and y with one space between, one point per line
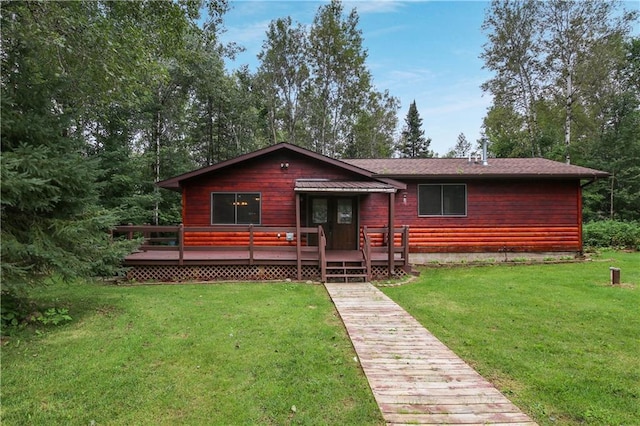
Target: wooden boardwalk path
414 377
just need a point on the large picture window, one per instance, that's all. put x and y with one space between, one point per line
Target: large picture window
231 208
442 200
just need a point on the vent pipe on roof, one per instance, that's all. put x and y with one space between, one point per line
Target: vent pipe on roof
484 152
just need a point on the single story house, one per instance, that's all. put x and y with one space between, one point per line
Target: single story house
441 208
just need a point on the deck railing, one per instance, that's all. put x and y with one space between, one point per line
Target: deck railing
305 243
172 238
376 240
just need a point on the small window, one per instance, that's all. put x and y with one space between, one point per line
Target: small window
442 200
228 208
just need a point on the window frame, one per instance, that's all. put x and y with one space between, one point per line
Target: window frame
235 212
442 185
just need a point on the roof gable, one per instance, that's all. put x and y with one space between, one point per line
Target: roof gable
176 182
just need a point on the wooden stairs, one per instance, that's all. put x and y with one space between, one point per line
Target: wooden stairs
346 266
346 271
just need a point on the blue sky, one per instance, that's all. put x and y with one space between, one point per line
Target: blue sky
427 51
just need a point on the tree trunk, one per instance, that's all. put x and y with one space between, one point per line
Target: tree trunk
611 211
156 189
568 119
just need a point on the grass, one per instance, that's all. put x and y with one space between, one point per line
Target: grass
189 354
556 339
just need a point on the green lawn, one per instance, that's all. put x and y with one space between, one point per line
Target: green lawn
189 354
556 339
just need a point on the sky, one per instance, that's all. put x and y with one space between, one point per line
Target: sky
427 51
418 50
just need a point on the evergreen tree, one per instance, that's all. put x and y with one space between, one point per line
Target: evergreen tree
51 220
76 77
412 143
461 149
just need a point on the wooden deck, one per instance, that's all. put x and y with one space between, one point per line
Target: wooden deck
239 257
171 251
415 378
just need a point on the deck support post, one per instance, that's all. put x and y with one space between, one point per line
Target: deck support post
391 237
181 244
298 239
251 244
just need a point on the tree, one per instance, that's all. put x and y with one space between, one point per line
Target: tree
372 134
74 78
576 31
413 144
461 149
340 80
513 53
546 53
283 77
51 221
617 149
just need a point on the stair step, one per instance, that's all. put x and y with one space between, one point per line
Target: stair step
347 275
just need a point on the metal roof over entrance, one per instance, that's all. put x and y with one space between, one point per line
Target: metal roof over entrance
356 187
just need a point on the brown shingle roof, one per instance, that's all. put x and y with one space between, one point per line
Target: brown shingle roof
461 167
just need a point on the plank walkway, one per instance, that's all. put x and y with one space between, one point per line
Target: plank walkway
414 377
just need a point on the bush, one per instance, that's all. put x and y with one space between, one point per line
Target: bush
611 233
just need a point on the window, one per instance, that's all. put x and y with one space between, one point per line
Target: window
442 200
229 208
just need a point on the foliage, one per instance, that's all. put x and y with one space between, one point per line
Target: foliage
12 312
191 354
611 233
317 91
462 148
54 316
558 340
566 87
92 95
412 142
19 311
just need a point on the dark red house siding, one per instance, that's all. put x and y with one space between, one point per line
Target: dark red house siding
519 215
516 215
263 175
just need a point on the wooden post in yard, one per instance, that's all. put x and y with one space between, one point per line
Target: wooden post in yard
615 275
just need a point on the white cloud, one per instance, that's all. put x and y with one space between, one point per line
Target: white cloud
373 6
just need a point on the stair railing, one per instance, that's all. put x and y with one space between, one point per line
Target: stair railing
366 251
322 254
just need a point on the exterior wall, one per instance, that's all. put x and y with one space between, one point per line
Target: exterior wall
514 216
263 175
502 216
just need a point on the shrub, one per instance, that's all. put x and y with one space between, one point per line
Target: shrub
611 233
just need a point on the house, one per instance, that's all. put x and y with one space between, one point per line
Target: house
437 208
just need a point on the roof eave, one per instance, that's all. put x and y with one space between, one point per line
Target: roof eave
495 176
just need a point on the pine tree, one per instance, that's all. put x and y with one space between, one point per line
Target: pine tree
413 144
461 149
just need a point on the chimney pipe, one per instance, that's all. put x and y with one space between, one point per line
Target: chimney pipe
484 152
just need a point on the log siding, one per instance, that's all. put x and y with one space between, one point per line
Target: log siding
516 216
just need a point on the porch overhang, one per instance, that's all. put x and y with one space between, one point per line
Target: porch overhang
342 187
